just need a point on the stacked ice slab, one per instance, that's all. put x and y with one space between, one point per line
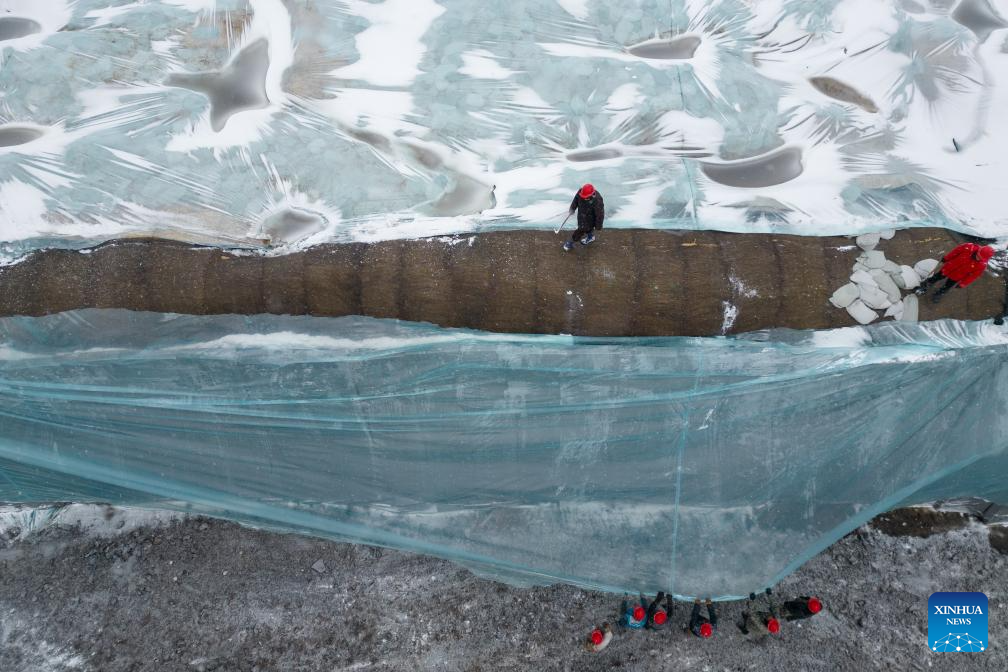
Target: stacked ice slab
877 284
290 122
710 466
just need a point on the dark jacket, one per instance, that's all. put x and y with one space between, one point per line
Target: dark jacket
795 610
591 211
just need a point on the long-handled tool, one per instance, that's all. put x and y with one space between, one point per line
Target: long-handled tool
564 222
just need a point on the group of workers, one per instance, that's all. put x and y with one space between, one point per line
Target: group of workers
656 615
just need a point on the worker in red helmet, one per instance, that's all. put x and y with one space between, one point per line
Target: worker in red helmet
756 623
703 626
802 607
599 638
658 617
590 215
961 267
634 616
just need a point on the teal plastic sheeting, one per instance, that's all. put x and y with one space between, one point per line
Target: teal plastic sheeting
695 466
297 121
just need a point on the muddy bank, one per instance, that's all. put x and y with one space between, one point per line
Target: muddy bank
628 283
202 594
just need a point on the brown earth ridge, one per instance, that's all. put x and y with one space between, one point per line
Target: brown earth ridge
630 282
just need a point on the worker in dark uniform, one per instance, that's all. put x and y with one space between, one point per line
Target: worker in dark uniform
657 617
703 626
590 215
803 607
759 624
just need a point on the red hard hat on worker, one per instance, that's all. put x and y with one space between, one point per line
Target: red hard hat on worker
660 617
639 613
706 630
773 625
587 191
814 605
597 637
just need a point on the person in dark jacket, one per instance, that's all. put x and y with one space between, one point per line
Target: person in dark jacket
590 215
759 624
702 626
803 607
961 267
657 618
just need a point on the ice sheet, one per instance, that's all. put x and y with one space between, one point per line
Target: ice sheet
401 118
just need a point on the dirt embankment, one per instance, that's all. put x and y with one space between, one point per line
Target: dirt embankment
628 283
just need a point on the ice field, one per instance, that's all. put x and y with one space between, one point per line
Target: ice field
698 466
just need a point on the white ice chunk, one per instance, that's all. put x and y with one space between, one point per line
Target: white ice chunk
868 241
887 234
863 278
909 309
875 259
874 297
858 266
891 267
925 267
886 284
845 296
895 311
862 313
907 278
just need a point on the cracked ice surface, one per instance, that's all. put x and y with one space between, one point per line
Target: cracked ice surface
692 465
208 121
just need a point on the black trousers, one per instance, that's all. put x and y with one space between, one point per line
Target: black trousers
696 620
580 233
949 284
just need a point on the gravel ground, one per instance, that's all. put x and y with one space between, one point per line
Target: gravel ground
202 594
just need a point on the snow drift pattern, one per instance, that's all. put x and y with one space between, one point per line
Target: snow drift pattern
696 466
242 121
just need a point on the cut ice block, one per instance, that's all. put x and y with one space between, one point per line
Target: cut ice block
874 259
867 241
910 306
886 284
874 297
925 267
863 278
846 295
862 313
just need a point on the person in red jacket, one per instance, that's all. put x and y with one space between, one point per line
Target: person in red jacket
962 266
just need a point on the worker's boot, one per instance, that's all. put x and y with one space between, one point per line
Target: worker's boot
588 239
568 246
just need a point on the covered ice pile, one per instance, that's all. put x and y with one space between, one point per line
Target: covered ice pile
697 466
292 122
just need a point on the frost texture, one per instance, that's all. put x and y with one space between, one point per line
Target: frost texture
212 121
697 466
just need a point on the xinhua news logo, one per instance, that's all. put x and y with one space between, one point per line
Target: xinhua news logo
957 622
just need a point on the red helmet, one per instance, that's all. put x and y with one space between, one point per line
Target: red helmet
985 253
773 625
639 613
660 617
597 637
587 191
706 630
814 605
